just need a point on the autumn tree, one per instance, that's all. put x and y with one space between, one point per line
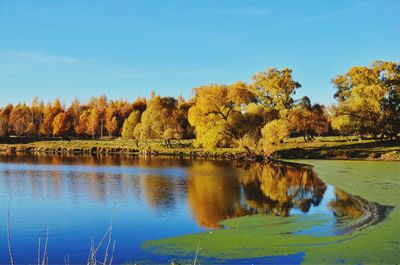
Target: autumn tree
110 118
130 124
214 112
164 119
50 112
93 122
3 124
82 127
181 117
101 107
368 100
320 120
61 124
123 109
45 127
250 123
275 89
140 105
36 110
308 120
159 120
4 120
97 105
273 134
74 111
368 103
20 119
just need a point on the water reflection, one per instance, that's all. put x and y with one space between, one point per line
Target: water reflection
214 194
94 160
277 188
161 192
212 191
345 205
355 213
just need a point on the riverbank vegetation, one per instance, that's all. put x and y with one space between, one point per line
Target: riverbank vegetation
259 118
329 147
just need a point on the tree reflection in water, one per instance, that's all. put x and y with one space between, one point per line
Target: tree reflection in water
275 188
345 205
214 194
212 190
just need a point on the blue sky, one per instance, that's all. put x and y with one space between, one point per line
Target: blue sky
125 49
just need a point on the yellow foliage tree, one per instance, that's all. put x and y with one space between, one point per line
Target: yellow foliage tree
161 120
273 134
369 99
275 88
61 124
130 124
215 109
308 120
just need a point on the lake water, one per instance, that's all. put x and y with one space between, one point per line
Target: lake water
155 198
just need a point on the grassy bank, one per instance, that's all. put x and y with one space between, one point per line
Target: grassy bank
293 148
266 235
340 148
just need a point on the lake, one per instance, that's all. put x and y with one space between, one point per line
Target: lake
76 197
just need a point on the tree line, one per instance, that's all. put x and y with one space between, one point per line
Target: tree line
254 115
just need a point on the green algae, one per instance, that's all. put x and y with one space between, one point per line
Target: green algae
265 235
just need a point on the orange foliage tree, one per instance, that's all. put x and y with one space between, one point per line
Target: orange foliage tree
61 124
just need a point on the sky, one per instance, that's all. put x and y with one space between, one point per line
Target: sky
127 48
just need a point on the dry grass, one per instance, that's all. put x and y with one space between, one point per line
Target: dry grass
43 259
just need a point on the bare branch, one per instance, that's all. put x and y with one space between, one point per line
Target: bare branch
112 254
197 252
45 260
38 253
110 236
94 252
9 235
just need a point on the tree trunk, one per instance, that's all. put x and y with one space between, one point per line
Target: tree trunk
101 129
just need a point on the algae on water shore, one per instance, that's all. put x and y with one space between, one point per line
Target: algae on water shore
261 235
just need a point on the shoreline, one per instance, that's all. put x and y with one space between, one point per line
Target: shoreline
233 154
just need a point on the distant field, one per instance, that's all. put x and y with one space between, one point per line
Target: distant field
292 148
